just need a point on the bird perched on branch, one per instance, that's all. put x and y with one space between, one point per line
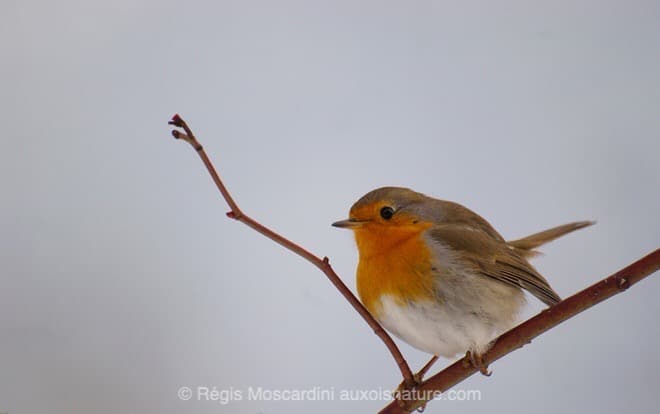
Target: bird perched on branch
439 276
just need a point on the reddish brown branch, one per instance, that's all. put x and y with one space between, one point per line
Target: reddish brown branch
461 369
530 329
322 264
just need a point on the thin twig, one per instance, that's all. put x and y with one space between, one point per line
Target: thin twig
530 329
323 264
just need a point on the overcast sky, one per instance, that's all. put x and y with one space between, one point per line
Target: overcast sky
121 279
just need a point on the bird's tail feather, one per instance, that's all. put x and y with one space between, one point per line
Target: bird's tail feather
526 245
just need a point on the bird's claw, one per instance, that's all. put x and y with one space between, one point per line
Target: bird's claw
477 361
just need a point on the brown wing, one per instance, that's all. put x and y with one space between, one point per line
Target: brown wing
493 258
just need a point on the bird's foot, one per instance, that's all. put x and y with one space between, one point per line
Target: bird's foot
477 361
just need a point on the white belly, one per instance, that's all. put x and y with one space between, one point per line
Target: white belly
457 322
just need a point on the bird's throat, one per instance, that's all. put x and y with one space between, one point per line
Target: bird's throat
395 262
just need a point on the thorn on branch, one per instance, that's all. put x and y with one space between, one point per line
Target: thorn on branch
623 283
326 260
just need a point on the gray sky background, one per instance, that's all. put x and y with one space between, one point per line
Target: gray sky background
121 280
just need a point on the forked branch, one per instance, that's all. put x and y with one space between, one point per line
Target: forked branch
460 370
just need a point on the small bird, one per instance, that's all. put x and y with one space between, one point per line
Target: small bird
439 276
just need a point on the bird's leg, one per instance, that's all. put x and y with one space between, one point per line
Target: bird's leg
478 362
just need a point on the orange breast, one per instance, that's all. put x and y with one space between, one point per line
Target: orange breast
393 261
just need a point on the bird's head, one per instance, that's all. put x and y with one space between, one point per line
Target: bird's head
386 216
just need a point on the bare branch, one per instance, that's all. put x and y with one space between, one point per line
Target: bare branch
533 327
322 264
463 368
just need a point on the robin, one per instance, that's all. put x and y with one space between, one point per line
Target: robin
439 276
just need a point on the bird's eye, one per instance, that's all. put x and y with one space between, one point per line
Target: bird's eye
386 212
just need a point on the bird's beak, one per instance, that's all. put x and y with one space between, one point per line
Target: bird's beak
348 224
